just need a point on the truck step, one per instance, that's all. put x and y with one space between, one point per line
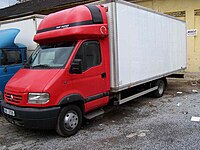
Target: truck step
94 114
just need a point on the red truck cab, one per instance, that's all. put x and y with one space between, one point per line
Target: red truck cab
67 76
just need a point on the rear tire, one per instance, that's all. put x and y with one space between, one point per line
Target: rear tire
161 88
69 121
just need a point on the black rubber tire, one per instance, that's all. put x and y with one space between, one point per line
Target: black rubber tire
61 128
161 83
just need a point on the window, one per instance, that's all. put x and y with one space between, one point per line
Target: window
52 55
10 57
90 54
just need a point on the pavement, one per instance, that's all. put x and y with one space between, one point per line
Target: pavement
142 124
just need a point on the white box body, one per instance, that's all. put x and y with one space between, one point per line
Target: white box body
144 45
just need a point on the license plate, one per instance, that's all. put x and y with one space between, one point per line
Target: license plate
9 112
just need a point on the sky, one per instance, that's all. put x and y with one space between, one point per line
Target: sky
6 3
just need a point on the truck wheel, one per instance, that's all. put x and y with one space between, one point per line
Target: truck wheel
69 120
161 88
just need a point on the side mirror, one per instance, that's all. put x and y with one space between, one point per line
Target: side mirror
76 67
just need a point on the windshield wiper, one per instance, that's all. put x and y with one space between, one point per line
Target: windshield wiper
41 66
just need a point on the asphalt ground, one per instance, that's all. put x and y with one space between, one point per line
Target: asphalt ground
142 124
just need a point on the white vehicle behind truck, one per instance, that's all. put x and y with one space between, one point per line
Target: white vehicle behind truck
28 27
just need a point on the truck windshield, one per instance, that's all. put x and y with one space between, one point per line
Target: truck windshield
52 55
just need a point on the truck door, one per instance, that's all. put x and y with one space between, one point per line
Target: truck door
91 83
11 62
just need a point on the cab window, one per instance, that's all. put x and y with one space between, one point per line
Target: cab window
90 54
10 57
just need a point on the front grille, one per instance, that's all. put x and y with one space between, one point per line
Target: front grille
15 98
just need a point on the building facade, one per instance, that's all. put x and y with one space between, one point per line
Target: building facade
188 10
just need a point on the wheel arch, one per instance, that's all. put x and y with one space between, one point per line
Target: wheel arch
75 99
163 78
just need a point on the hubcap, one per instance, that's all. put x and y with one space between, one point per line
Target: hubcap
71 120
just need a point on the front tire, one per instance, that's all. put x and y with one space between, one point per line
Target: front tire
69 121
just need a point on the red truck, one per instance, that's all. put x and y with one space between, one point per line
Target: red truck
91 55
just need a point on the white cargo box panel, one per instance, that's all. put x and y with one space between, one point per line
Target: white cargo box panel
144 44
28 27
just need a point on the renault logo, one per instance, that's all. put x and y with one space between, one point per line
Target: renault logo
11 96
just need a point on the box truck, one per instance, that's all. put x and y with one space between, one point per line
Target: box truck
91 55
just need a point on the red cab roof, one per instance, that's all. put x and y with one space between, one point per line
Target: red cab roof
85 21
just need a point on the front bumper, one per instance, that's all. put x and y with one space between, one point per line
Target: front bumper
34 118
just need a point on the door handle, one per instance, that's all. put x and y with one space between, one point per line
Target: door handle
103 75
5 69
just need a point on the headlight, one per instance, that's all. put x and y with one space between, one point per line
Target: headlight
38 98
